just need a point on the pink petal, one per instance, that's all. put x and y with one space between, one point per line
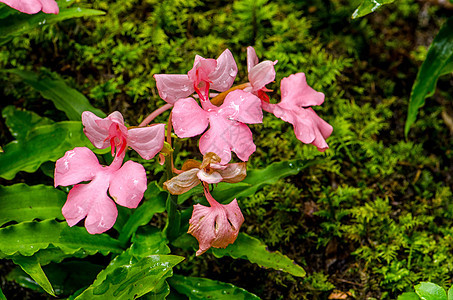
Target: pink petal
225 136
174 86
234 216
188 118
262 74
243 107
304 128
102 216
209 178
128 184
322 131
252 59
183 182
147 141
296 91
25 6
50 7
77 165
216 226
91 200
202 68
223 76
95 133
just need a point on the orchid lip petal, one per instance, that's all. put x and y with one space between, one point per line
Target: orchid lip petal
216 226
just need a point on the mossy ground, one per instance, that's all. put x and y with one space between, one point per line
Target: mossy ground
373 217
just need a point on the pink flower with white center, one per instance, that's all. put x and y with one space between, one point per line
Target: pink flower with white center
33 6
260 74
125 184
209 171
111 131
227 130
206 74
216 226
296 96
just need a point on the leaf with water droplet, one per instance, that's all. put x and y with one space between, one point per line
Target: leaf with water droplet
201 288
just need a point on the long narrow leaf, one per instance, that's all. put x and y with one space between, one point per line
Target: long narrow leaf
29 237
31 266
438 61
21 122
15 25
251 249
66 277
201 288
65 98
21 202
44 143
154 202
126 278
2 296
369 6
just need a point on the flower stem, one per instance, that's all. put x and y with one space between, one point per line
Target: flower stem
154 114
174 216
218 100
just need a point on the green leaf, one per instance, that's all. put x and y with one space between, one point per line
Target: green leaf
154 203
200 288
369 6
66 99
17 24
5 11
127 278
149 240
159 293
256 179
438 61
249 248
31 266
20 122
450 293
408 296
21 202
430 291
44 143
2 296
66 278
54 254
29 237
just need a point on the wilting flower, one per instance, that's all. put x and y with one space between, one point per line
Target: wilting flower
294 108
216 226
111 131
125 184
260 74
227 130
33 6
206 74
209 171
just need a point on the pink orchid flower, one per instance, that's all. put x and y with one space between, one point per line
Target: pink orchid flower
125 184
216 226
296 96
209 171
208 73
227 130
111 131
33 6
260 74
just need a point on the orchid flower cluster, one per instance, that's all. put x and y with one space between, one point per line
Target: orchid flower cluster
226 113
